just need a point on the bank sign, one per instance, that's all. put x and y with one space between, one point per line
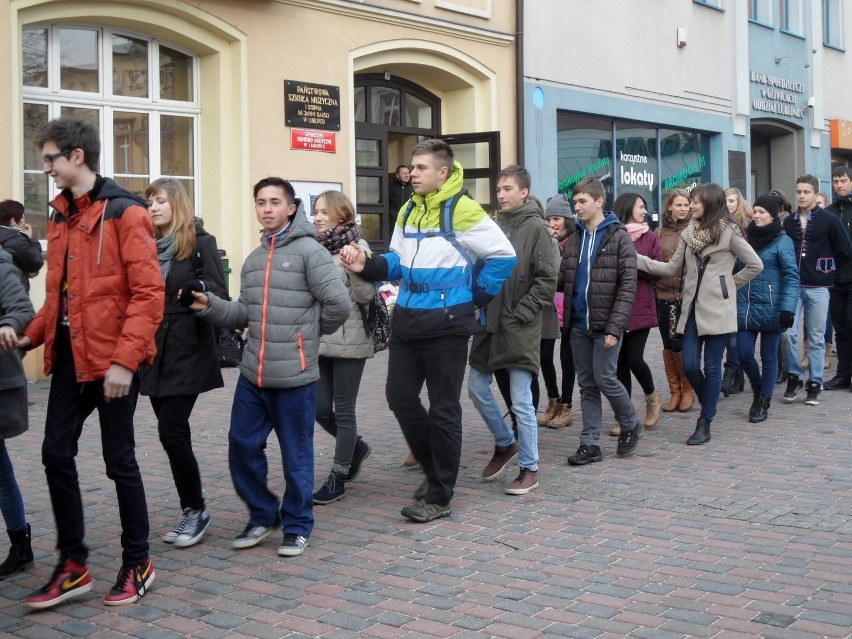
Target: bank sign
777 96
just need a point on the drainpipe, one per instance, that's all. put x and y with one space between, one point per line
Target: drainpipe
519 79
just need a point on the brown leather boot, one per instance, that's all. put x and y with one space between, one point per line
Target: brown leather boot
550 412
673 379
652 409
687 395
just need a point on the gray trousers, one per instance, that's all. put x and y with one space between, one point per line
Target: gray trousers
596 369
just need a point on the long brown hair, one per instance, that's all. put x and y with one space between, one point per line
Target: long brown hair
183 217
337 204
712 197
741 214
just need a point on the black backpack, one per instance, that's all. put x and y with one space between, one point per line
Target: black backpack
376 321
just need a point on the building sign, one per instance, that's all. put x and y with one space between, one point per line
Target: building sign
633 170
311 140
778 96
841 134
316 106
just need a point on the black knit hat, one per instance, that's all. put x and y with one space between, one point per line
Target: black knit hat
770 203
559 206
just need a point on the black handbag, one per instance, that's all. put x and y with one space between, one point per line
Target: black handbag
675 338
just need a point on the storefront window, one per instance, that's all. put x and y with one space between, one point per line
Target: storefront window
583 149
636 168
105 78
645 159
683 159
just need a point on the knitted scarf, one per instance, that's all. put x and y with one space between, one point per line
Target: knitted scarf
166 252
697 238
338 237
762 236
637 229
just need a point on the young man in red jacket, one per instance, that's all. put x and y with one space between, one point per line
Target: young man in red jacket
103 304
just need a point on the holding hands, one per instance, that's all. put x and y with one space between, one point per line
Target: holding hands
353 257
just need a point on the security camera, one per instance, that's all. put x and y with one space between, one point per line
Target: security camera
811 102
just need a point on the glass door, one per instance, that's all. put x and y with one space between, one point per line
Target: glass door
479 155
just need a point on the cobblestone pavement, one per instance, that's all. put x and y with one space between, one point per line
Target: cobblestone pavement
747 536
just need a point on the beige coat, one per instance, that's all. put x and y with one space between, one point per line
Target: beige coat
716 306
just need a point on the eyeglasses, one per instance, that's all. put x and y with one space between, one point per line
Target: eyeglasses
48 160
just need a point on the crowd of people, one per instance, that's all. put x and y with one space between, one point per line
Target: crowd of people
136 292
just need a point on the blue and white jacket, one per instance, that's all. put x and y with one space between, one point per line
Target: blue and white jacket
438 281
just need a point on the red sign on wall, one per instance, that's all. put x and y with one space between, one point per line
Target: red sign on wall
313 140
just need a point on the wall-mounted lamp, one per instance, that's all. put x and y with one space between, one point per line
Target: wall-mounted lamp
681 37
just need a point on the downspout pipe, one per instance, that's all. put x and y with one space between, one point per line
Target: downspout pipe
519 80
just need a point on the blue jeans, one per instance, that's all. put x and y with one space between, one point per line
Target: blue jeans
765 381
290 412
707 384
596 368
479 390
814 302
11 502
337 392
732 354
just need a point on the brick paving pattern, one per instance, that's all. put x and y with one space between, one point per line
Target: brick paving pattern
747 536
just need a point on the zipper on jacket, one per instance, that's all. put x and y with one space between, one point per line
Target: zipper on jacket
771 303
263 309
748 303
589 276
304 365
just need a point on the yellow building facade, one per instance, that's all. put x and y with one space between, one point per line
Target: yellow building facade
326 93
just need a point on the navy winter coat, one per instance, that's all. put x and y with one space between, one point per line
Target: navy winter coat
774 289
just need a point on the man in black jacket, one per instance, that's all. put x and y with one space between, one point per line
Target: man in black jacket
841 292
400 190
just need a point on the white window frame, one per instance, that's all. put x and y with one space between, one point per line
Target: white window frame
107 104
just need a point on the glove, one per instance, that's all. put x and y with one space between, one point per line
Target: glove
480 297
785 319
186 297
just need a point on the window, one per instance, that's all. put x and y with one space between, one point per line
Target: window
791 16
139 92
716 4
833 29
760 11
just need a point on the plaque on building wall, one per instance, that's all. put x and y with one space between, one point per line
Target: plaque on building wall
777 96
312 106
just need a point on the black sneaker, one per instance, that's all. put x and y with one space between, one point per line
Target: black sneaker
293 545
586 455
253 535
628 440
193 527
422 511
794 387
838 382
813 390
361 452
333 489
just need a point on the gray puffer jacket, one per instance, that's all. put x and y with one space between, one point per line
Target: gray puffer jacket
290 295
351 341
16 311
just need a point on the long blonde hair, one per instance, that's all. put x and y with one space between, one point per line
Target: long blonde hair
183 217
741 214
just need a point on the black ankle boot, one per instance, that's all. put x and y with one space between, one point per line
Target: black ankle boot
739 382
755 404
728 380
762 411
20 554
701 434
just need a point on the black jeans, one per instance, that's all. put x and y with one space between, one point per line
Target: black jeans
68 406
569 375
337 393
434 437
548 369
841 317
631 359
173 426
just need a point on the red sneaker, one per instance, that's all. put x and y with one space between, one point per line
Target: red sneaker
132 584
69 580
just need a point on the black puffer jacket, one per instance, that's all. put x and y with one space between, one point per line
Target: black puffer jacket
612 282
187 361
25 252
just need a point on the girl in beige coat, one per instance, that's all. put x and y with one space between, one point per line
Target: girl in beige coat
708 248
